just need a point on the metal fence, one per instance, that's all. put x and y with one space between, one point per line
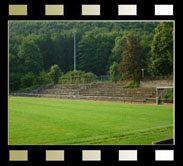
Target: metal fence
103 78
170 77
83 79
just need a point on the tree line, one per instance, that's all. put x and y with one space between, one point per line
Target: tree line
117 49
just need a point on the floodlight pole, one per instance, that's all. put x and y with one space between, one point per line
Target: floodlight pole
74 32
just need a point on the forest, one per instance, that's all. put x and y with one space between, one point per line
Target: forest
43 52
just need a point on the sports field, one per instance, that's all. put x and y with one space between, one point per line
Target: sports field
34 121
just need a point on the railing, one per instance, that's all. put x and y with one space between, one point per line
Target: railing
158 78
103 78
83 79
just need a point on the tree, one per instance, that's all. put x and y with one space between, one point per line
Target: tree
36 46
46 47
30 55
162 49
94 50
133 57
63 50
114 72
117 50
55 73
14 81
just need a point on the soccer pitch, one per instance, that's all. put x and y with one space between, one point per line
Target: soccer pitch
43 121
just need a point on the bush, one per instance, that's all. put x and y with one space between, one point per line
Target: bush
28 89
114 72
76 73
14 81
28 80
43 78
168 94
133 84
89 77
55 73
74 77
71 77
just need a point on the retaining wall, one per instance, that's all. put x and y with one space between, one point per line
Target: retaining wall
155 83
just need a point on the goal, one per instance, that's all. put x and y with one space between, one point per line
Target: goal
164 95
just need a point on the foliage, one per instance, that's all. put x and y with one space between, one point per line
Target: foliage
89 77
55 73
77 76
117 49
132 84
162 49
43 78
30 56
36 46
76 73
133 57
27 80
29 88
114 72
168 94
14 81
94 50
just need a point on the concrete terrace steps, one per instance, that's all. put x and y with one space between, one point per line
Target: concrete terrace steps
58 91
115 95
95 98
100 91
138 92
126 90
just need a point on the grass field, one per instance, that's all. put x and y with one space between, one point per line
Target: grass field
55 121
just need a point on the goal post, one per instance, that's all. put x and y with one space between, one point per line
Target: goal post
165 95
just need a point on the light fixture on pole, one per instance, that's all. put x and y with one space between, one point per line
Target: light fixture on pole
74 32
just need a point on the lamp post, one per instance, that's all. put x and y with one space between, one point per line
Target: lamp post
74 32
142 73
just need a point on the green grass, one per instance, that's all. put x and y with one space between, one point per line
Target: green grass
55 121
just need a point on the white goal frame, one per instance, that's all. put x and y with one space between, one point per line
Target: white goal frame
162 87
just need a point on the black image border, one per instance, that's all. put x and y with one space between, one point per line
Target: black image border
73 153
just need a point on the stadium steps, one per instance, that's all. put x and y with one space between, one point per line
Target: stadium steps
100 91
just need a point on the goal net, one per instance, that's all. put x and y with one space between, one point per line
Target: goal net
164 95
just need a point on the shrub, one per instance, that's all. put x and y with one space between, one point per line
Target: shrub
168 94
89 77
76 73
43 78
133 84
114 72
28 80
55 73
63 80
74 77
14 81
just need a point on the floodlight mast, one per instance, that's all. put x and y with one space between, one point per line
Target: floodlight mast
74 32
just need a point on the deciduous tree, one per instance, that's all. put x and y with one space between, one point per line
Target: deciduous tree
133 57
162 49
31 57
